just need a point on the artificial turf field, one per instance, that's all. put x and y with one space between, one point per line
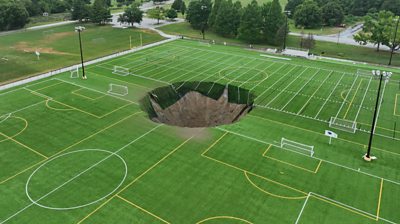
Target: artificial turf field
73 153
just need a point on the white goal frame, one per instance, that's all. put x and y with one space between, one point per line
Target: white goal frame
120 70
297 147
74 73
119 90
343 124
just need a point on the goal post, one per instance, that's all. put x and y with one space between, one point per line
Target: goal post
74 73
343 124
120 70
297 147
119 90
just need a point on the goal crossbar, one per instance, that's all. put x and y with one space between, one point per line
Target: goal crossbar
297 147
120 70
119 90
74 73
343 124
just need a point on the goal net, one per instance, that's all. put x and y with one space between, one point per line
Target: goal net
119 70
119 90
297 147
75 73
367 73
343 124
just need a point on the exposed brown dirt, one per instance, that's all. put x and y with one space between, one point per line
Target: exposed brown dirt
23 46
197 110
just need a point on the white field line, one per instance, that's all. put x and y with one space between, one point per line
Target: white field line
79 174
222 76
312 95
29 106
333 90
347 95
350 207
277 81
287 86
258 58
313 157
362 101
302 209
379 108
263 70
94 90
136 56
305 84
267 77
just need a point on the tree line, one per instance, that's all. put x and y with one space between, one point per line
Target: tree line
253 23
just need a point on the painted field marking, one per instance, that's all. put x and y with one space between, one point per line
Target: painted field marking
379 201
76 176
54 108
140 208
74 144
347 95
224 217
137 178
362 101
18 133
302 208
23 145
290 164
395 105
352 99
84 96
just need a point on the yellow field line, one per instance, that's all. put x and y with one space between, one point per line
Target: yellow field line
125 105
22 171
224 217
342 139
23 145
271 194
287 163
254 174
23 129
351 102
216 142
58 83
53 108
395 106
137 178
319 165
343 207
142 209
379 200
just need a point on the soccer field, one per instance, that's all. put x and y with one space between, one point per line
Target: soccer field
76 151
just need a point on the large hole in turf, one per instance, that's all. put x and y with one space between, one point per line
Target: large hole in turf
197 104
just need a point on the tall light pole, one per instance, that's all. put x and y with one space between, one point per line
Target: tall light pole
287 13
394 41
203 27
79 29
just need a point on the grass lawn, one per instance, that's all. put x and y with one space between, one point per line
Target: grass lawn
72 152
59 47
323 48
52 18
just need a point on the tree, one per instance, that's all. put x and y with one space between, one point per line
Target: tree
307 42
273 20
332 14
132 15
171 14
308 15
13 15
292 4
377 29
213 13
251 23
100 12
183 8
177 5
391 5
198 13
80 10
156 13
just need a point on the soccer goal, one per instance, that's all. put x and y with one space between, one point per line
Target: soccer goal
74 73
297 147
343 124
119 70
119 90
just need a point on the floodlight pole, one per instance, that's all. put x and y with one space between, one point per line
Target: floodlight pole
367 156
79 29
394 41
287 13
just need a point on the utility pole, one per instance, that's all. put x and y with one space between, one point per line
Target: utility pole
394 41
287 13
79 29
367 157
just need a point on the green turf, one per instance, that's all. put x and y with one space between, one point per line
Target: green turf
59 47
67 143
